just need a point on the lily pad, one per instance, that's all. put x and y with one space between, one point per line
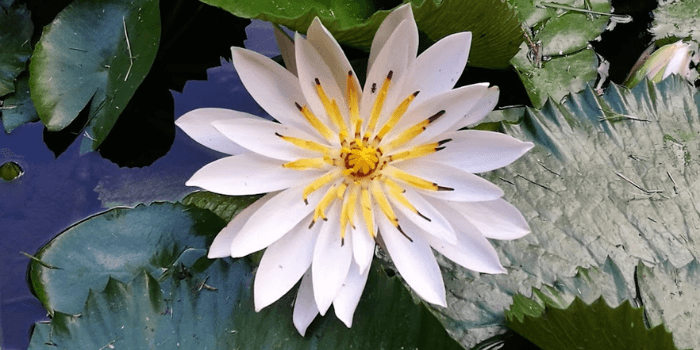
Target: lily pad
493 23
119 244
142 305
675 20
672 297
10 171
610 176
18 108
94 55
566 315
16 30
555 59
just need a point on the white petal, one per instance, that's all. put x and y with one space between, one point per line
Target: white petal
331 260
349 295
274 88
311 66
362 243
466 187
248 173
495 219
286 46
221 247
477 151
473 250
437 226
456 105
487 103
261 136
394 57
273 220
389 26
304 307
283 264
197 124
328 48
439 67
415 262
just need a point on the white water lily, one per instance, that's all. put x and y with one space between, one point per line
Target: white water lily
346 166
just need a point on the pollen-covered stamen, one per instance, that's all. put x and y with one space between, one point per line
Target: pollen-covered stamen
410 133
418 151
413 180
320 182
326 200
395 117
315 122
383 203
396 192
353 91
331 108
309 163
378 104
366 204
347 210
305 144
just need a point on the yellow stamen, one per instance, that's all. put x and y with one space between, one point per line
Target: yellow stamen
379 103
326 200
347 211
413 180
395 117
410 133
366 204
307 163
396 192
383 203
319 182
331 108
353 102
341 190
418 151
317 124
305 144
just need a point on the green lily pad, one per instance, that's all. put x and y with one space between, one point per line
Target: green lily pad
558 77
119 244
564 316
94 55
610 176
675 20
200 307
18 108
493 23
16 30
10 171
555 60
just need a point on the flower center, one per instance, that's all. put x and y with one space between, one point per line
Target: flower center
360 161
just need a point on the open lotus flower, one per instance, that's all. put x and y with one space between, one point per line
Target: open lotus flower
346 167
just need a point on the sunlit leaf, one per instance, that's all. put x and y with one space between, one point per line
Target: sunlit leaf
95 54
674 20
493 23
610 176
